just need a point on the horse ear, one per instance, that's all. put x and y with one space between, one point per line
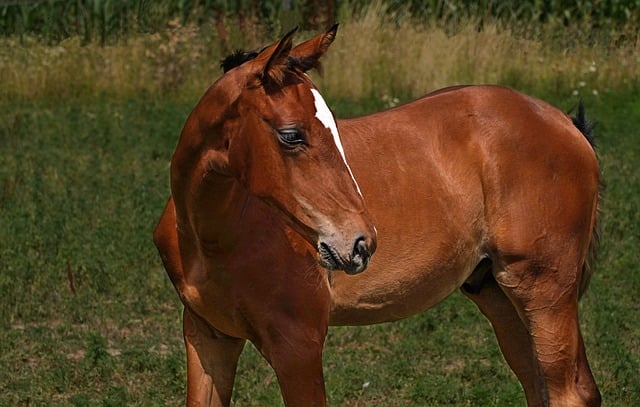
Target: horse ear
272 61
308 53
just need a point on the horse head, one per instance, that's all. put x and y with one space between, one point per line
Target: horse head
268 128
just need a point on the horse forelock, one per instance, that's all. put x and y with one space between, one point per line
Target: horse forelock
226 90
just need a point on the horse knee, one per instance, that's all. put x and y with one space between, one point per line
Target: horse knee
574 397
593 398
587 387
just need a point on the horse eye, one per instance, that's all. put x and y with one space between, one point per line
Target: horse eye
291 137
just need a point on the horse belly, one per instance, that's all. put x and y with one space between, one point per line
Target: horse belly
420 261
390 294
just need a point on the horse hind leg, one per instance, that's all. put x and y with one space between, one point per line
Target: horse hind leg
544 294
212 359
514 339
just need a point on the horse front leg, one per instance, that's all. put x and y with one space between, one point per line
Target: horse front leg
295 353
212 359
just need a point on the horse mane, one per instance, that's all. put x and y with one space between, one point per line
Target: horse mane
239 57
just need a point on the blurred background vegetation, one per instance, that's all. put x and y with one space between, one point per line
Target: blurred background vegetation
110 20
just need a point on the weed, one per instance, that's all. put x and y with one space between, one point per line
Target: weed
96 355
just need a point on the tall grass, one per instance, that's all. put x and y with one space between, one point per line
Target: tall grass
376 54
373 57
110 20
106 21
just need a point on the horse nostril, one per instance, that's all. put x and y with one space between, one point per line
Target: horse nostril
360 248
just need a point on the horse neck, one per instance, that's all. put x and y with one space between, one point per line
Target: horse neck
208 204
219 204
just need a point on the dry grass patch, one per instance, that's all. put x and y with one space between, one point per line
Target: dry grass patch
376 54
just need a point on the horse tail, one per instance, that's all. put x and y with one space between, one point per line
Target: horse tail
586 128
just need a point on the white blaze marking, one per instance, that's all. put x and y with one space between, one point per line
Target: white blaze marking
326 117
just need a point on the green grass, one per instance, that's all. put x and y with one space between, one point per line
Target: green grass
89 318
81 186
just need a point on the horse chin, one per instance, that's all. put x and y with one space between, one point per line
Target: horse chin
355 268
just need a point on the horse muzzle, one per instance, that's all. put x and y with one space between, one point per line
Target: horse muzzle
353 261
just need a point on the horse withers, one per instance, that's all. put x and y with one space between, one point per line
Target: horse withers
477 188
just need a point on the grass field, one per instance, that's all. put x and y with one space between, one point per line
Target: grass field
89 318
87 314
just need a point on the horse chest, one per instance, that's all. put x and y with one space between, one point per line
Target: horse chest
214 291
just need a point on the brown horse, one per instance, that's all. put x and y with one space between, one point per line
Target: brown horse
479 188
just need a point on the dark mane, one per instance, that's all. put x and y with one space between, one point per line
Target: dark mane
237 58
